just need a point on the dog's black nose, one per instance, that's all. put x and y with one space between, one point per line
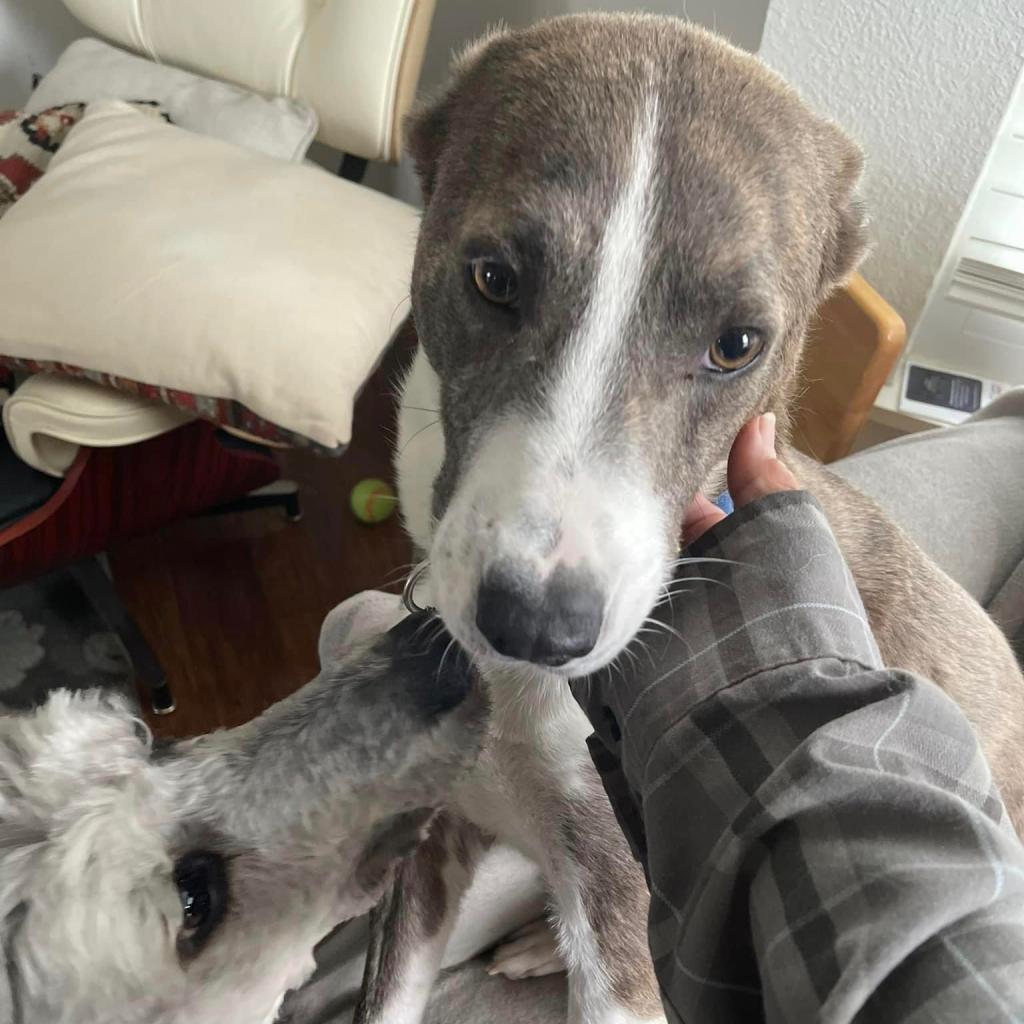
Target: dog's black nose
544 623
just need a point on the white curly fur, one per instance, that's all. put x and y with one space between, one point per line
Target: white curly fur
83 811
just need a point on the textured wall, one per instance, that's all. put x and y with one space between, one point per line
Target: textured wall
922 86
458 21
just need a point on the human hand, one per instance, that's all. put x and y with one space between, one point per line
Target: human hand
754 471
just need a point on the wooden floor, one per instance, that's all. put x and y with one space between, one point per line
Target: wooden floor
233 605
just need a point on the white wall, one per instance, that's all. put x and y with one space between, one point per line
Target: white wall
459 21
32 35
922 86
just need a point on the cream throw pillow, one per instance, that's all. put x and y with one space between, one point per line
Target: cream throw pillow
206 274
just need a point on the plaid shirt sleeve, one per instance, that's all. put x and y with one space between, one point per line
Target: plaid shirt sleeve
822 837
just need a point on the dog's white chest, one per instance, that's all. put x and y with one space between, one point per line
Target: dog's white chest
536 757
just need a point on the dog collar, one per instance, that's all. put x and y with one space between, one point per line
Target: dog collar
409 590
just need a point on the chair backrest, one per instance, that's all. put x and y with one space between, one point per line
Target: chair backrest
356 62
853 344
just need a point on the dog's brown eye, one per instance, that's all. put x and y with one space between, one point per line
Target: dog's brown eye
733 349
495 281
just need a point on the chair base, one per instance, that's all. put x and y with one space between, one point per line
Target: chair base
162 700
98 588
283 494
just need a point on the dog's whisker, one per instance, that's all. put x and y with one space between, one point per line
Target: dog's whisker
417 434
692 560
668 629
401 302
670 595
431 630
648 631
618 666
397 575
608 669
429 622
632 656
396 386
440 667
706 579
646 650
678 587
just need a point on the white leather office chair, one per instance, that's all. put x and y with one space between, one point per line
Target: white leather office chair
355 62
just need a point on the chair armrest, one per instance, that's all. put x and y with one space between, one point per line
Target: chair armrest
853 343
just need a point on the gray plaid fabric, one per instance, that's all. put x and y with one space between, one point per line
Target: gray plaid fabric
822 837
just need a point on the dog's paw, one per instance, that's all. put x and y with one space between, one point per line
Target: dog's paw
530 952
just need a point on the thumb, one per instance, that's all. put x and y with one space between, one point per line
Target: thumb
754 466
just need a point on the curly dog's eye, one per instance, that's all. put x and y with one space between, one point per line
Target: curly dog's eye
195 905
201 881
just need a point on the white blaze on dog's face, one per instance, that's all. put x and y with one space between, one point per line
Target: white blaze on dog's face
616 266
190 884
556 538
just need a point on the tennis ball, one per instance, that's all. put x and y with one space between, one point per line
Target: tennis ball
372 501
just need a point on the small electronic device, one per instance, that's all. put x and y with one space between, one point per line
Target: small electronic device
944 396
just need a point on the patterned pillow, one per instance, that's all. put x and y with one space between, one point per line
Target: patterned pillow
27 141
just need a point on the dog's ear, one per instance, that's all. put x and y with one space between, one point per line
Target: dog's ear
395 839
427 128
846 242
426 131
361 618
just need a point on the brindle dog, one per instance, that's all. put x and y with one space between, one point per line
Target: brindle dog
628 225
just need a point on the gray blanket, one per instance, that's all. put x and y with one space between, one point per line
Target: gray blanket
959 492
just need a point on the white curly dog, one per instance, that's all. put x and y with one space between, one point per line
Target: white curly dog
148 884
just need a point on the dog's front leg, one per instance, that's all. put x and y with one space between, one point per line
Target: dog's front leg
410 927
602 901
